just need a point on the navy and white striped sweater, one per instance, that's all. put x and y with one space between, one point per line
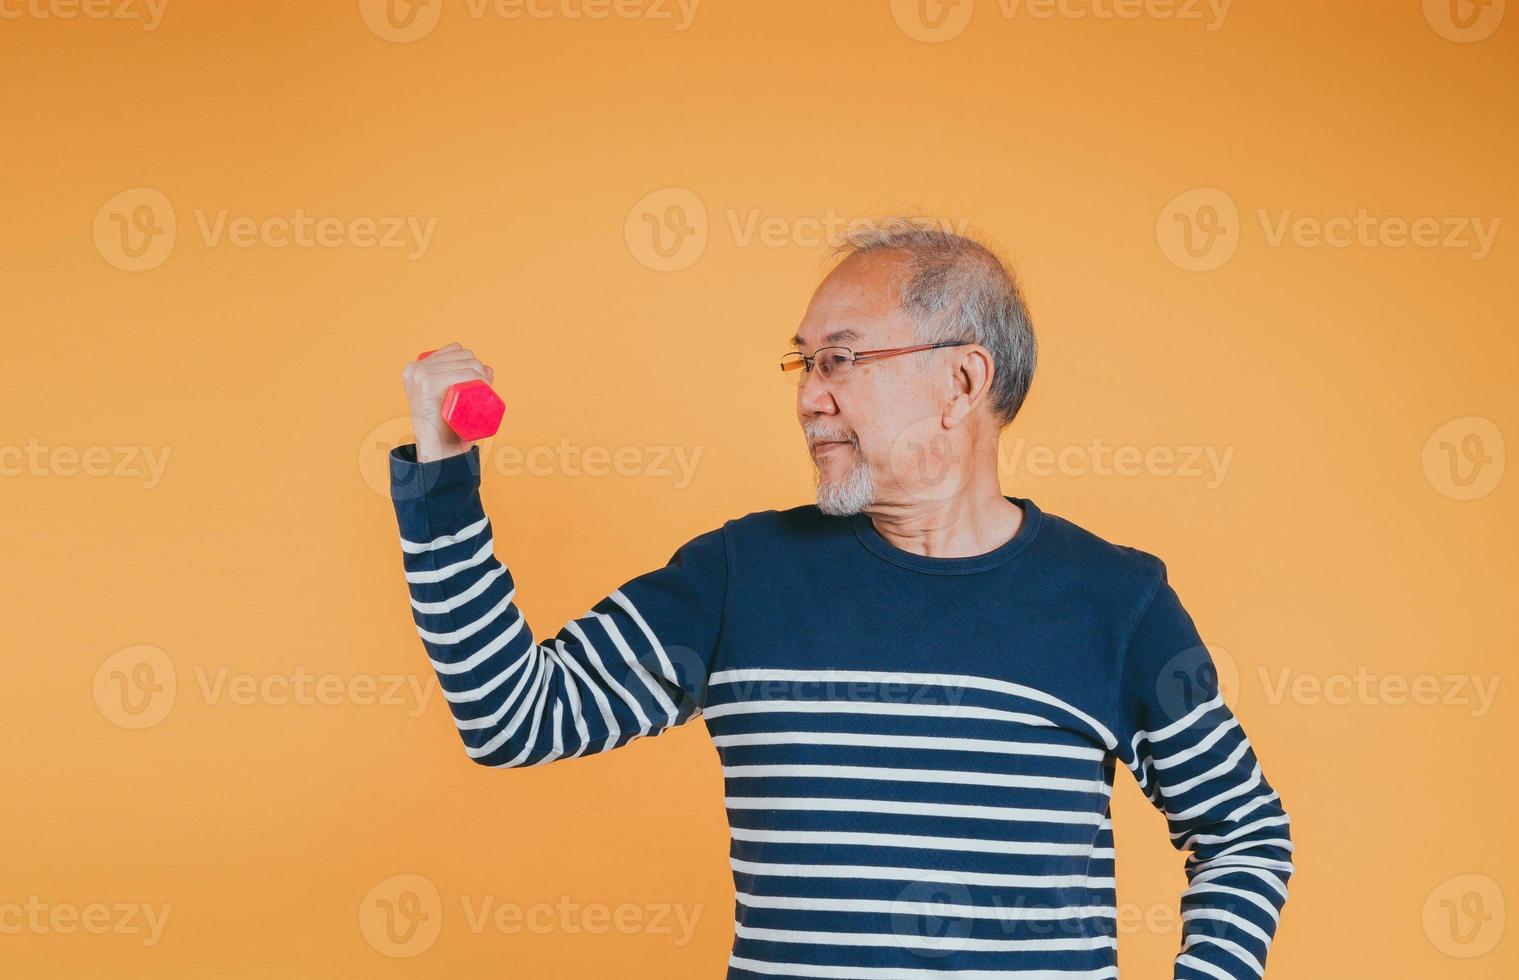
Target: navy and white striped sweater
918 752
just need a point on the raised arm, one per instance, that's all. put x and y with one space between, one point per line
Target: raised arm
1195 764
635 664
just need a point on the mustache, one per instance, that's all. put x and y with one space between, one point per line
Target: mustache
817 434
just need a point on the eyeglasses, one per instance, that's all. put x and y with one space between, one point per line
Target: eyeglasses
834 363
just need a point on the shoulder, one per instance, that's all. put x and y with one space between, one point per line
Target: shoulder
783 535
784 526
802 519
1099 564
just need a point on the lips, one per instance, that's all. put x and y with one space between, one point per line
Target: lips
826 445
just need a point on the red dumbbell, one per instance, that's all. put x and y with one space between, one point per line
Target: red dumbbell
471 408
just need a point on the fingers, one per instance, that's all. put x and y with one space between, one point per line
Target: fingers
454 375
448 351
449 365
426 379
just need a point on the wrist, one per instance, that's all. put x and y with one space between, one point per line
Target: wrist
432 454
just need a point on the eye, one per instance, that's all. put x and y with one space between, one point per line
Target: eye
831 360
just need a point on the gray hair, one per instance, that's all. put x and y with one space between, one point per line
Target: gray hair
958 289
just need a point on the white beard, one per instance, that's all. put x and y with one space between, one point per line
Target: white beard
852 494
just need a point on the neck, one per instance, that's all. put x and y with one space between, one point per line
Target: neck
971 522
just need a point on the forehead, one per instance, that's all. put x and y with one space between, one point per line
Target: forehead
856 305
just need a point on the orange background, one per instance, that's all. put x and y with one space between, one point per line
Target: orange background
271 377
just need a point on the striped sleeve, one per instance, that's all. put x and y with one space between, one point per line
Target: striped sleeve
636 664
1193 761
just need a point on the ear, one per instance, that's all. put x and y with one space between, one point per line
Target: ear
971 372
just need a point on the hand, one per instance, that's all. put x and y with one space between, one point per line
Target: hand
426 382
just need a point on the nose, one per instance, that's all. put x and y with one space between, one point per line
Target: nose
813 397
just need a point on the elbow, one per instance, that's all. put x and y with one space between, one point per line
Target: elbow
481 761
494 751
507 756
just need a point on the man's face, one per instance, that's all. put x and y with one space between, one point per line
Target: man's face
855 423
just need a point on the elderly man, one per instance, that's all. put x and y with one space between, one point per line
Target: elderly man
919 688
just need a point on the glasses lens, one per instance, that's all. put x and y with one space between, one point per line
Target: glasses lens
832 362
792 364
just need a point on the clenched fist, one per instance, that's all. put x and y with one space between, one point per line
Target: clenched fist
427 381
